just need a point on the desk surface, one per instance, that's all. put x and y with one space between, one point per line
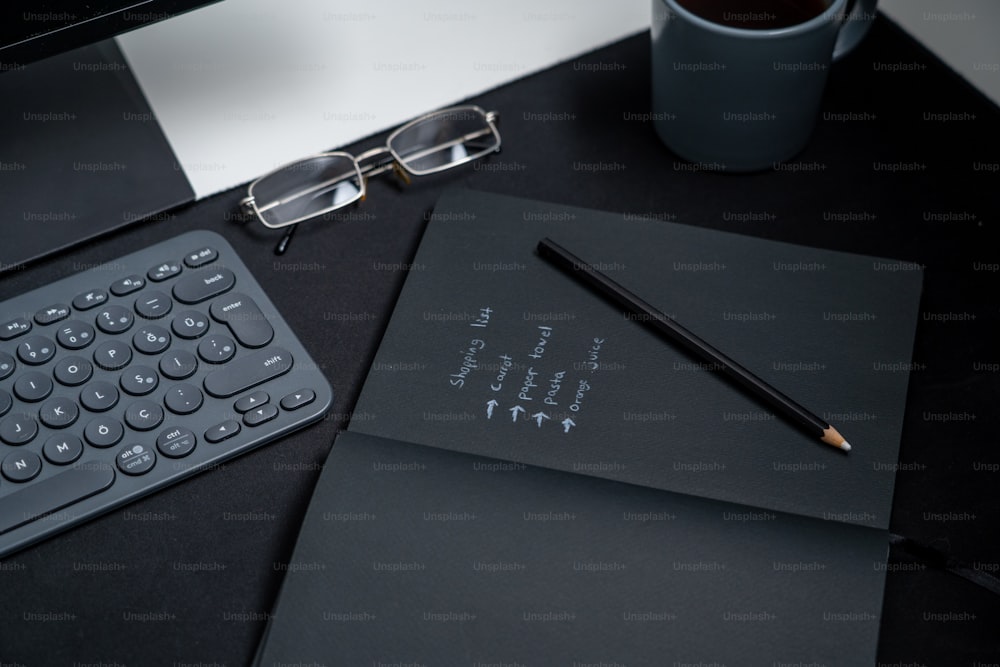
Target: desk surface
900 166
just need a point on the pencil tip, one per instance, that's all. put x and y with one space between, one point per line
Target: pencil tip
846 446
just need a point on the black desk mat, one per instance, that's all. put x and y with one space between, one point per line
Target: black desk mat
903 164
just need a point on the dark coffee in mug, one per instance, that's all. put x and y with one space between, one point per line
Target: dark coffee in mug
756 14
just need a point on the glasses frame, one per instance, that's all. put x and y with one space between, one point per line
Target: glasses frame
373 162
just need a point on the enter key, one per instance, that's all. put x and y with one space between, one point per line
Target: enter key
244 318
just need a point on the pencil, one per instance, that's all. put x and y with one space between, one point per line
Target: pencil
659 322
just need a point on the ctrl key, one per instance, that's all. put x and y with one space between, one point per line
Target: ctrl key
176 443
136 460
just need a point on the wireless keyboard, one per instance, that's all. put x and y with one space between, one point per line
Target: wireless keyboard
133 375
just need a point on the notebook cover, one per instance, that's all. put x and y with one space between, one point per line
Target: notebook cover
82 154
486 336
653 514
419 556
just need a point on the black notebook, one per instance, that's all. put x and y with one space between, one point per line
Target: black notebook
532 478
81 153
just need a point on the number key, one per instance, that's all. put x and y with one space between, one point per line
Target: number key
6 365
36 350
75 335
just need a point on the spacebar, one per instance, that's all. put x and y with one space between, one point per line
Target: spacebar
54 493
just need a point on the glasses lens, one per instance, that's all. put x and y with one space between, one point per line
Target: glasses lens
443 139
306 189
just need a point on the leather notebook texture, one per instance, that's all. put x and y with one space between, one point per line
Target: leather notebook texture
532 478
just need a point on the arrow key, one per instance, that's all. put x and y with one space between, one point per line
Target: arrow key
264 413
248 403
220 432
297 399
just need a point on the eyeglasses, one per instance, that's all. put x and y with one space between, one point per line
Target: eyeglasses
317 185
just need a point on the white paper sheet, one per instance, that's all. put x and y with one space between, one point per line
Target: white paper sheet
245 85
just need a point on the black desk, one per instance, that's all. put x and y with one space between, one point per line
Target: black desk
181 578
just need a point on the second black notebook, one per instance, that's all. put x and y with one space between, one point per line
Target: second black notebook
532 478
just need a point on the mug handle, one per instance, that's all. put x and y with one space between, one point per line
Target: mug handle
855 27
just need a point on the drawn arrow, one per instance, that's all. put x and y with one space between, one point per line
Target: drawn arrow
490 404
567 424
514 410
539 416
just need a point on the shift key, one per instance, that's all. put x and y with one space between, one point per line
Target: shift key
248 371
244 318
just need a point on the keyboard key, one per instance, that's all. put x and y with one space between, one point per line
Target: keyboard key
153 305
53 493
127 285
17 429
258 416
250 402
54 313
36 350
58 412
176 443
113 355
14 328
75 335
21 466
139 380
217 349
297 399
178 365
190 324
5 402
91 299
244 318
203 284
114 319
161 272
183 399
151 339
248 371
62 449
99 396
220 432
136 460
104 432
201 257
32 386
143 415
73 371
7 365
